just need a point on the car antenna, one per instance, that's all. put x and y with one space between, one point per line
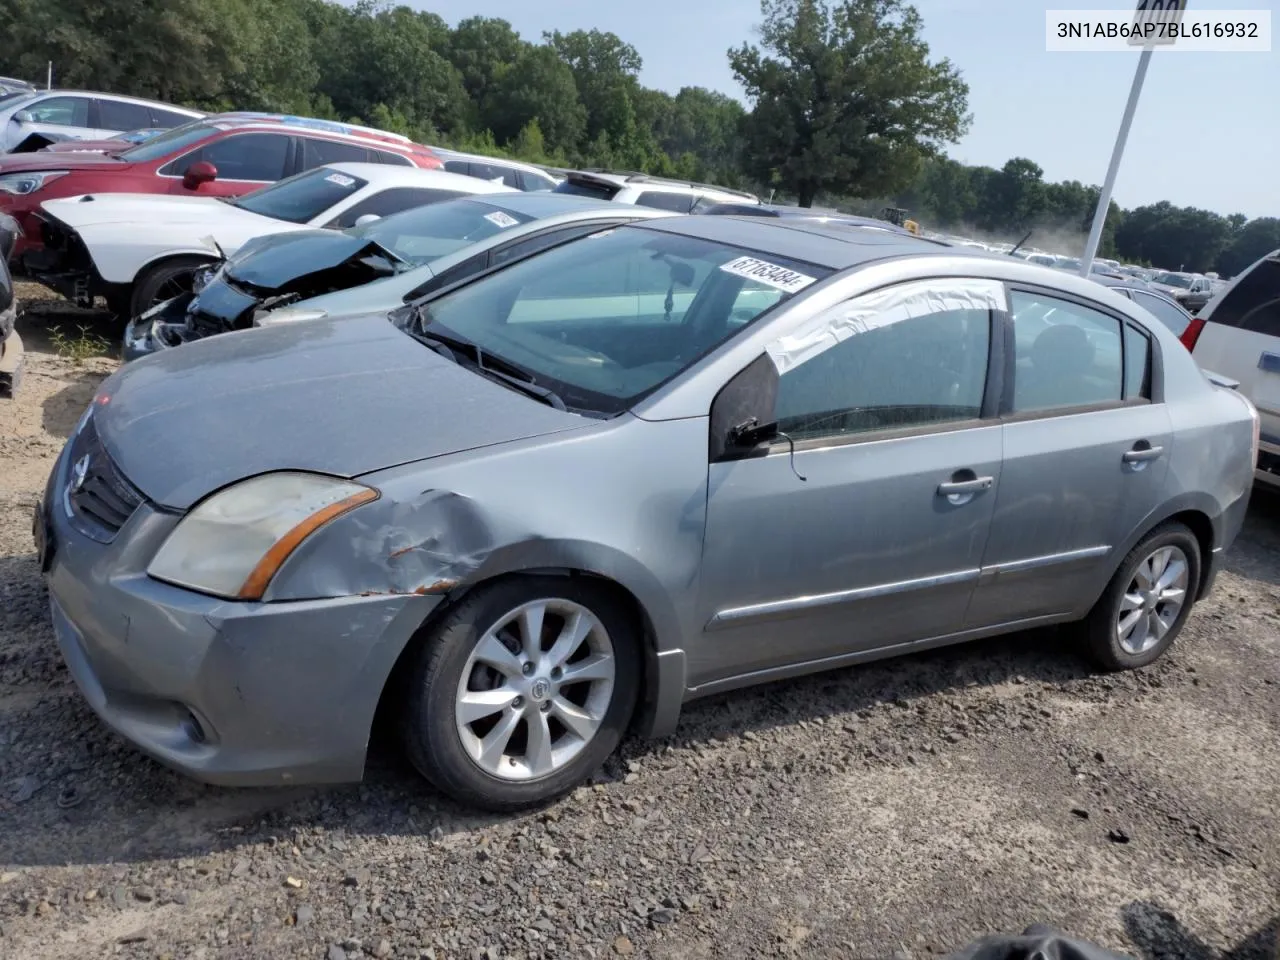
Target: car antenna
1018 246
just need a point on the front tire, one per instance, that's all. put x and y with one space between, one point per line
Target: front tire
522 691
1147 602
162 282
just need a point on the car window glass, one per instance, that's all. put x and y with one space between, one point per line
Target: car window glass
386 156
303 197
603 345
664 200
1167 313
587 188
118 115
523 248
534 182
458 166
1252 303
436 229
1068 355
62 111
170 142
1137 363
247 156
894 369
494 173
317 152
167 118
450 275
392 201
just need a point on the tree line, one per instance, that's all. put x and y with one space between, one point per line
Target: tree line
845 105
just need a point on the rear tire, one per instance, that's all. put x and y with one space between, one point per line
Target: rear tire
497 678
161 282
1145 605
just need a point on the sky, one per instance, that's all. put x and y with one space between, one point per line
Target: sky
1206 132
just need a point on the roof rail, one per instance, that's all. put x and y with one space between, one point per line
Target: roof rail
312 123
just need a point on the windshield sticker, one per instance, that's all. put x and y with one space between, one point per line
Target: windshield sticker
341 179
782 278
500 219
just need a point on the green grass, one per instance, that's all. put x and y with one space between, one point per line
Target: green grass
78 347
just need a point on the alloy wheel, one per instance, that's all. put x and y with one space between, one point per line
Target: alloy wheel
535 689
1153 600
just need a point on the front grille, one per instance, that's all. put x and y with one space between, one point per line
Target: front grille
99 498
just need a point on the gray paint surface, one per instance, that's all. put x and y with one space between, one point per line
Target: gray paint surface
740 571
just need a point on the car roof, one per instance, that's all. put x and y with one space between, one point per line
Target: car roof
832 245
391 174
241 120
59 92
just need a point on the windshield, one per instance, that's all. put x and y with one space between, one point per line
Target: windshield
301 198
1173 280
171 141
425 233
15 98
604 320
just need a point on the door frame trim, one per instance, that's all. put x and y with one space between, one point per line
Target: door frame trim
1047 560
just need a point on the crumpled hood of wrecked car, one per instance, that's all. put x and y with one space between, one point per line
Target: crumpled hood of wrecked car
342 397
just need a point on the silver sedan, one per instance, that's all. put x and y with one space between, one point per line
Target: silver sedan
661 461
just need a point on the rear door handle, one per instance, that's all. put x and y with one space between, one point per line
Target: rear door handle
1269 362
961 487
1143 454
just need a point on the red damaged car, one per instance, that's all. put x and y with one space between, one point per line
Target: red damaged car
221 156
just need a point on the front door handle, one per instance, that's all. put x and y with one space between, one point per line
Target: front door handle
1143 454
959 487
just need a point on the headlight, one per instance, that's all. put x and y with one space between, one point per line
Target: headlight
20 184
232 544
202 278
270 318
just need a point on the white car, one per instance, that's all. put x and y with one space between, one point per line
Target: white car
1237 334
678 196
148 246
513 173
47 116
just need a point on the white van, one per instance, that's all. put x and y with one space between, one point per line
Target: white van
1237 333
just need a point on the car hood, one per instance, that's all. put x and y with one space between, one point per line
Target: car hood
26 162
149 209
342 397
283 263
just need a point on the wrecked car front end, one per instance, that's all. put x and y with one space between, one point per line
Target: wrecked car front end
264 275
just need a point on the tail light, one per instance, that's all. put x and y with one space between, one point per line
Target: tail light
1192 333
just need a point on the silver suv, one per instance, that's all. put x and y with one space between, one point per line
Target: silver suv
678 196
48 116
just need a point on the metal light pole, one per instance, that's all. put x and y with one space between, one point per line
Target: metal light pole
1104 199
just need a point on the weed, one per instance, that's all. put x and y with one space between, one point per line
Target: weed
78 348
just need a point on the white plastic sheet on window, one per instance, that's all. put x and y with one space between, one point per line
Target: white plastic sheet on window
882 308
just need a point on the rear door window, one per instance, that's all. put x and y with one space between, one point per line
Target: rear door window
495 173
119 115
386 156
317 152
167 118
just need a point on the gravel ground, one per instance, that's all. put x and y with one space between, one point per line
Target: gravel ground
895 810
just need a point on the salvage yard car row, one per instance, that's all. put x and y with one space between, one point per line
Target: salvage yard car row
525 469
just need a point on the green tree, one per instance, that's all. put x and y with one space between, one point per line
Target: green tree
844 97
539 87
604 70
1254 240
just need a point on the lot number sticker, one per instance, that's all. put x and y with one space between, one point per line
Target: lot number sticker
340 179
763 271
500 219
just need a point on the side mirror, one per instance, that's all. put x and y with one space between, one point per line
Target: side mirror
367 218
24 116
200 172
751 433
